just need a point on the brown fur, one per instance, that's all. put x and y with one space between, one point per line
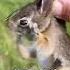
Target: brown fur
51 43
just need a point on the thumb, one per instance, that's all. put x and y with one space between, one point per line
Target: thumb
62 9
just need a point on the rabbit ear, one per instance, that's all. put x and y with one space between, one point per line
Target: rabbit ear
44 6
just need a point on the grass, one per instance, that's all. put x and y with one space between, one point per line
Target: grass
10 58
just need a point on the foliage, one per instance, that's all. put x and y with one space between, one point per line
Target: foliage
10 58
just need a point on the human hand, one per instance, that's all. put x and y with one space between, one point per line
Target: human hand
62 9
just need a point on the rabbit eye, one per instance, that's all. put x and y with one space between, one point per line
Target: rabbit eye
23 22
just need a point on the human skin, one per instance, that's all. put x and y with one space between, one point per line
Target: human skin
62 9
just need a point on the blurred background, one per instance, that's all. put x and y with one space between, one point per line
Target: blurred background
10 58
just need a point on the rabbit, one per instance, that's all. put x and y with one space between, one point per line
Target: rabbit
50 42
27 11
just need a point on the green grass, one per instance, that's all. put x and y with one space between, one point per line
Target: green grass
10 58
68 27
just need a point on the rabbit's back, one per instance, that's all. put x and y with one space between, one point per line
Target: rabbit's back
61 42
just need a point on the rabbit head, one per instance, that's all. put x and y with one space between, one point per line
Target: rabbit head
32 18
